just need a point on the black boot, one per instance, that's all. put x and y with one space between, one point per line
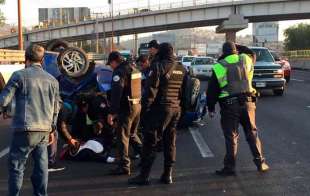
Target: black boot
225 172
139 180
166 177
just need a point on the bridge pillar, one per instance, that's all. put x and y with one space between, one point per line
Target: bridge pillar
135 43
231 26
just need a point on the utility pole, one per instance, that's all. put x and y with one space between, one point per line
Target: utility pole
104 45
112 25
97 34
20 28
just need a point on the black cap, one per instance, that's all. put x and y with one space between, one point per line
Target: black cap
229 48
153 44
165 51
114 56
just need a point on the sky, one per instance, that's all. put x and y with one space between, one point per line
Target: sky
30 9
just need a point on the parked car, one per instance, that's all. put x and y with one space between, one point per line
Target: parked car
202 66
285 65
186 61
267 73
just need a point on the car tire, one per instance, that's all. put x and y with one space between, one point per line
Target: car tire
278 92
57 45
73 62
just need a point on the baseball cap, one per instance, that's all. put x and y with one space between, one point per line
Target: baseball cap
153 44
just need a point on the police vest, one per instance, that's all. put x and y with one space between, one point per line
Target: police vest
135 84
233 76
170 86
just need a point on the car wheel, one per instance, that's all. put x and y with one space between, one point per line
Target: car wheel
73 62
57 45
278 92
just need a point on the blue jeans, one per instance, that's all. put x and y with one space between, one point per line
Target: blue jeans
23 144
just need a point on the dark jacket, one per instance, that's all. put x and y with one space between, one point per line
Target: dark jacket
213 92
120 88
152 95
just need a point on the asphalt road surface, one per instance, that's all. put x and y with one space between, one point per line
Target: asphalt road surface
285 132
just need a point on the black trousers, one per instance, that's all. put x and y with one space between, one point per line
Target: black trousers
161 124
231 116
126 132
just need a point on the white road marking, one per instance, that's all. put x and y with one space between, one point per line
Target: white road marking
201 144
297 80
4 152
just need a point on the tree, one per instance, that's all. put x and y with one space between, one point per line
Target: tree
297 37
2 18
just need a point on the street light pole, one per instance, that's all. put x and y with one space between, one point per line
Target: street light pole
112 26
20 28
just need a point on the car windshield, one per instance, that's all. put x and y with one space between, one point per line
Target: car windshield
275 55
126 56
263 55
187 59
203 61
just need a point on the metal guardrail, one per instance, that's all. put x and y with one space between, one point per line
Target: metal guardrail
12 55
297 54
19 56
96 56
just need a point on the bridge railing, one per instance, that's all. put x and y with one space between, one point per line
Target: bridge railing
297 54
165 6
138 10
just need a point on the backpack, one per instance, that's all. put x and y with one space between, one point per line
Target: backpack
191 92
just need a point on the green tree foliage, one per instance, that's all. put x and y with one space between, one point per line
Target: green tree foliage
297 37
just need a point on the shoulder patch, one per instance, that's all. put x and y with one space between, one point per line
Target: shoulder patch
116 78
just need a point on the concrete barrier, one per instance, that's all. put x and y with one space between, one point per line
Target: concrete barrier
300 63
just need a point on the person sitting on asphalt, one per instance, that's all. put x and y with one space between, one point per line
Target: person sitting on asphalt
89 121
96 135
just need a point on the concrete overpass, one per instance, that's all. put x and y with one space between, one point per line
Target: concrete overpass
168 19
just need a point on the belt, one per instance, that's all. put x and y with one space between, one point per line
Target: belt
134 101
240 99
230 101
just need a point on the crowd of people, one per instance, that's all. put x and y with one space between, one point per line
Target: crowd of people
137 115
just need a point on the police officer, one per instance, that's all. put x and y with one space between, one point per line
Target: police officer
144 65
153 47
125 109
231 86
161 108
